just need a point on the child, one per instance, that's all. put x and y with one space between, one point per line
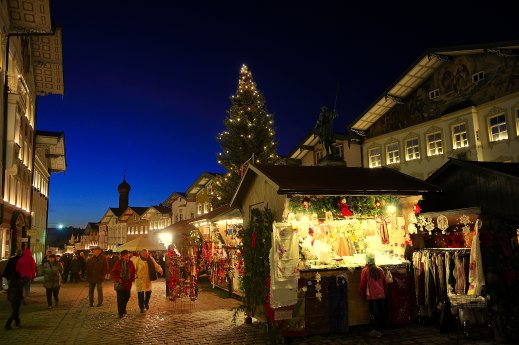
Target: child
15 297
373 287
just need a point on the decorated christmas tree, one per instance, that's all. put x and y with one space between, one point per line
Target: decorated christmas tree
248 138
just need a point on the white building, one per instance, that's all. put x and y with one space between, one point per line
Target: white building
460 102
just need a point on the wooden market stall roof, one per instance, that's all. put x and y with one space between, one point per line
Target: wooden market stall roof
224 211
334 180
181 227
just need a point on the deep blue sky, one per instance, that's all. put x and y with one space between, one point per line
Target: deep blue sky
147 84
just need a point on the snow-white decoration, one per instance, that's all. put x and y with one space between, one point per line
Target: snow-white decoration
420 222
429 225
443 223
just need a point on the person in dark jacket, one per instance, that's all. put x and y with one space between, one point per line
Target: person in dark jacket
97 268
15 298
75 269
10 267
51 279
123 274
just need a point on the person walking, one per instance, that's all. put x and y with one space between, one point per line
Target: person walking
373 287
123 274
52 271
10 267
15 298
27 268
97 268
82 260
75 269
146 271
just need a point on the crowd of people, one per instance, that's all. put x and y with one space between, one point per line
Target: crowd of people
93 266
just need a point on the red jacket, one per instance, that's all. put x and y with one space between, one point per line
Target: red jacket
116 274
370 288
26 265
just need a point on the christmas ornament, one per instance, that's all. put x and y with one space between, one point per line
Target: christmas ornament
343 206
417 209
429 225
443 223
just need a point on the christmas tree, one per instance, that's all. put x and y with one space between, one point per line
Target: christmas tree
248 138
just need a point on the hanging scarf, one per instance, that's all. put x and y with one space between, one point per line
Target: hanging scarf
151 268
125 272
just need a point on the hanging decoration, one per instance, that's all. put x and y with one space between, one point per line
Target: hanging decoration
429 225
411 228
343 206
356 205
417 209
443 223
383 223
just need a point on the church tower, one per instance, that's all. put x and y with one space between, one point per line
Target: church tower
124 194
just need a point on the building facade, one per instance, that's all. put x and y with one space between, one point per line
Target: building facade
49 158
454 103
182 208
158 217
31 61
309 152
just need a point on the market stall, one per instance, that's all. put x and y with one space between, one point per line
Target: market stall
325 221
220 254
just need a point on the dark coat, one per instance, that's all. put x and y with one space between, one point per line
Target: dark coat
75 266
10 267
97 268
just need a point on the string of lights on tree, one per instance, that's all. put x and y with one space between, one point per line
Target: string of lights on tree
249 132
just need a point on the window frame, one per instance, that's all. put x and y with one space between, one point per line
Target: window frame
416 153
455 134
379 157
439 149
490 127
396 157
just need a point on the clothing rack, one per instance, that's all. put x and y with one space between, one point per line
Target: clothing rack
444 249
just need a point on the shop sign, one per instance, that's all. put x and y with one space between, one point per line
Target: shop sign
283 314
24 239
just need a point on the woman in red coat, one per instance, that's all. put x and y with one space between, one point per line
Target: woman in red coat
123 274
27 268
373 287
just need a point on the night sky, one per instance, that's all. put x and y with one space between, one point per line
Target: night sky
147 84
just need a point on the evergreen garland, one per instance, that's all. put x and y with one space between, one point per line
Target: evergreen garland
249 131
358 205
255 248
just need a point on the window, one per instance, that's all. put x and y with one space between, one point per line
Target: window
199 208
434 94
392 154
459 136
477 77
318 155
434 144
180 215
340 150
210 189
497 128
206 207
412 149
375 159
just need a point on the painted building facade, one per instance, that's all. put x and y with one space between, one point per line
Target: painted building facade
461 103
31 59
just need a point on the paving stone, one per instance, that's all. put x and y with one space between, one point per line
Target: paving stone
206 321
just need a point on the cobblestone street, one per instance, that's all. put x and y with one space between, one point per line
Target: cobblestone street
207 321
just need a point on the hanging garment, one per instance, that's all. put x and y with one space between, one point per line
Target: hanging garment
343 249
476 276
401 307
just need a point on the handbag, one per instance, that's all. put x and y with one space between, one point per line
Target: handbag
118 286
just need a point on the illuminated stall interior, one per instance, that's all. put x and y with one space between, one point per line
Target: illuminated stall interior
219 230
